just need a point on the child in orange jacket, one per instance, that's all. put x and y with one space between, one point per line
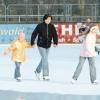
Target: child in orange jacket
18 53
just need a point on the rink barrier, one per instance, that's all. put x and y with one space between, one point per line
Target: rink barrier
66 32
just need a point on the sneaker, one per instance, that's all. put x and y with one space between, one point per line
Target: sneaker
37 75
95 82
46 78
73 81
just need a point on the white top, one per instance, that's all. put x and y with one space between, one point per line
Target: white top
88 45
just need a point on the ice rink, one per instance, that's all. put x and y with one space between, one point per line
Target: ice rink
62 64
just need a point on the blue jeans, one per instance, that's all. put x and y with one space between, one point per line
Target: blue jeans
43 65
17 70
91 61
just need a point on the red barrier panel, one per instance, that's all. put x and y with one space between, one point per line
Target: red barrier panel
67 32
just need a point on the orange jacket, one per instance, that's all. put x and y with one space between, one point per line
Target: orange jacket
18 50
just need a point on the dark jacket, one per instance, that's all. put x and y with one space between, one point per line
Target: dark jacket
45 35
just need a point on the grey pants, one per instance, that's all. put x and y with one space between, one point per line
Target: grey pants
17 70
91 61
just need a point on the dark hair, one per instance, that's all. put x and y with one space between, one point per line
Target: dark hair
46 16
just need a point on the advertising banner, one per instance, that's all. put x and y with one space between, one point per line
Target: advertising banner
66 32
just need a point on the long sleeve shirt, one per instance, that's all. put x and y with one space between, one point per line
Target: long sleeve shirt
88 45
18 50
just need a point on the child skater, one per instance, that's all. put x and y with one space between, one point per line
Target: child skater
87 52
18 53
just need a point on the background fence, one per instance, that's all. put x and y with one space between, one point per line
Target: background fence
33 13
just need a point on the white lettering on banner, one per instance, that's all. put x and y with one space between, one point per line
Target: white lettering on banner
67 28
15 31
64 29
70 30
76 30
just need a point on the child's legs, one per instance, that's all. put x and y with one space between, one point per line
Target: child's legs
17 69
79 67
92 69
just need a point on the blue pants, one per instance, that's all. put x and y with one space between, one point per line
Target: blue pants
17 70
43 65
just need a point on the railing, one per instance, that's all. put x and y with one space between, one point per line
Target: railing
30 13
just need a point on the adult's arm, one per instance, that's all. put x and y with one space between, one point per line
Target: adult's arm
34 35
